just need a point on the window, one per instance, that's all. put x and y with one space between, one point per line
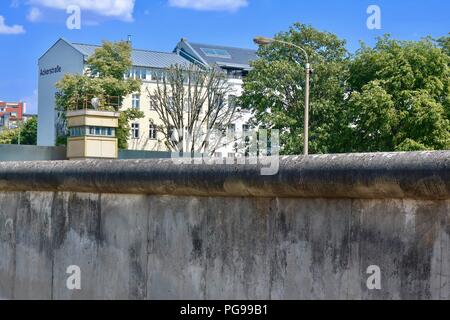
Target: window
186 79
186 106
171 133
246 127
75 132
136 101
170 104
153 102
135 130
235 74
232 101
157 75
232 128
152 132
137 73
218 155
218 53
92 131
231 155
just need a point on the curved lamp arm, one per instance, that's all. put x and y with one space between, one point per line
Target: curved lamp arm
265 41
295 46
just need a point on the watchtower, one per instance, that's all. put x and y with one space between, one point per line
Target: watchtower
92 129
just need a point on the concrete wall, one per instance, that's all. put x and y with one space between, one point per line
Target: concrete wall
11 152
36 153
155 229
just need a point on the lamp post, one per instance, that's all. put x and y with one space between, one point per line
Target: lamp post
266 41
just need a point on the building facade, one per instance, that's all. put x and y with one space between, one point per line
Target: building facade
11 113
235 63
65 57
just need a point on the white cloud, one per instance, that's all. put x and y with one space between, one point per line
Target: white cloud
209 5
34 15
122 9
15 29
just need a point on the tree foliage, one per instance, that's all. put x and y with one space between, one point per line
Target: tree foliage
275 87
444 42
394 96
26 134
7 136
400 97
104 79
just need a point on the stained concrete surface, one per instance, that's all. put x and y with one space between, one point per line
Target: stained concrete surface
171 247
157 229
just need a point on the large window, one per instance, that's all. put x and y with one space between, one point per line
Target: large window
92 131
135 130
152 132
76 132
136 101
171 133
138 73
157 75
217 53
236 74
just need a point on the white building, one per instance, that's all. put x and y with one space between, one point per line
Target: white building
65 57
235 62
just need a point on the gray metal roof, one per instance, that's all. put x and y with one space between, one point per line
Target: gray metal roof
238 57
141 58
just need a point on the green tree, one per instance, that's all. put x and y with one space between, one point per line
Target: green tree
399 97
104 79
7 136
444 42
27 133
275 88
394 96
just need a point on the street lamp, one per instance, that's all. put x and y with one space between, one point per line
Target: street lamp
262 41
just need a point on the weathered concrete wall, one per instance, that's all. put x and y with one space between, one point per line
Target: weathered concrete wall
14 152
185 231
9 152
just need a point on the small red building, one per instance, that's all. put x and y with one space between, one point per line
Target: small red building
11 113
15 110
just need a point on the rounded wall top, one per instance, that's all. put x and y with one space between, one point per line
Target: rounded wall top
417 175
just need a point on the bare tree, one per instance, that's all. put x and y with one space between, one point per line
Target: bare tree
192 105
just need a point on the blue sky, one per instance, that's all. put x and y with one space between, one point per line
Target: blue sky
29 27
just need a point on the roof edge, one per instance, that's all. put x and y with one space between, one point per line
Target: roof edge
57 41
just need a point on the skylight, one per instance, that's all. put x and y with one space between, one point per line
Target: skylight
217 53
